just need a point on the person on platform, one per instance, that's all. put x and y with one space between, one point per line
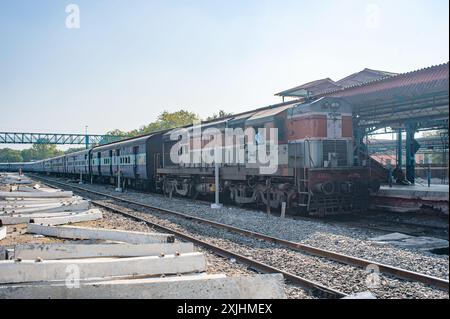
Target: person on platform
399 176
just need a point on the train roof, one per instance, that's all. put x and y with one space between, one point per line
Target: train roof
132 140
78 152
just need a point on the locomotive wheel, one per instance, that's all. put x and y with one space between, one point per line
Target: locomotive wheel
194 193
166 189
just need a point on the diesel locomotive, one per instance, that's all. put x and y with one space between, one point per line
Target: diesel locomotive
308 150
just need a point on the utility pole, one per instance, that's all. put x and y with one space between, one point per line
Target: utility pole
86 137
217 162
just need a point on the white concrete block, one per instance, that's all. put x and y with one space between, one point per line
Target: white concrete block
2 232
25 218
70 207
361 295
93 214
131 237
67 269
68 251
36 202
64 194
199 286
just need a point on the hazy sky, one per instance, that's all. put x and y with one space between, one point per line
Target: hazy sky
130 60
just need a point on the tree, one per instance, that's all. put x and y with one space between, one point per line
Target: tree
46 150
118 132
221 114
8 155
167 120
40 151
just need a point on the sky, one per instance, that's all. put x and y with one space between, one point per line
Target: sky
131 60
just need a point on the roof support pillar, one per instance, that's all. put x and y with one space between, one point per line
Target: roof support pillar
399 148
410 152
359 134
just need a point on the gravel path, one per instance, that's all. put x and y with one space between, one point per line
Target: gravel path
337 238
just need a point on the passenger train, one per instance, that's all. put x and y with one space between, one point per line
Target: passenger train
316 171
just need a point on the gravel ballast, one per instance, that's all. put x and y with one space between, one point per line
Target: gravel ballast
337 238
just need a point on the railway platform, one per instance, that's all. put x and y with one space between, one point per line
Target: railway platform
412 198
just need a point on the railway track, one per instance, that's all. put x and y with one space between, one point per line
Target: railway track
341 258
316 289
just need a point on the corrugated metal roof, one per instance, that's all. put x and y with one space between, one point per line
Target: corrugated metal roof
311 88
410 84
268 114
318 87
364 76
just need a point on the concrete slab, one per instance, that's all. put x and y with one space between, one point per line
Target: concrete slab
2 232
25 218
361 295
412 242
18 206
69 269
36 202
401 198
68 251
65 194
70 207
390 237
130 237
435 192
93 214
185 287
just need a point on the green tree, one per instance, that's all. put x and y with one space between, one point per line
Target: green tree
167 120
117 132
28 155
8 155
221 114
40 151
46 150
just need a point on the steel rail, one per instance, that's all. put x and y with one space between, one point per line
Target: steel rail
342 258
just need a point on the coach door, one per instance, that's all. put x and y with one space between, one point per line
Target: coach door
110 163
135 161
117 161
99 163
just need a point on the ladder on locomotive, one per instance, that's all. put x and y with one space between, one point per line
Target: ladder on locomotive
303 187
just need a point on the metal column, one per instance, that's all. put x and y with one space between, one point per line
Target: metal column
410 153
399 148
359 145
217 161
